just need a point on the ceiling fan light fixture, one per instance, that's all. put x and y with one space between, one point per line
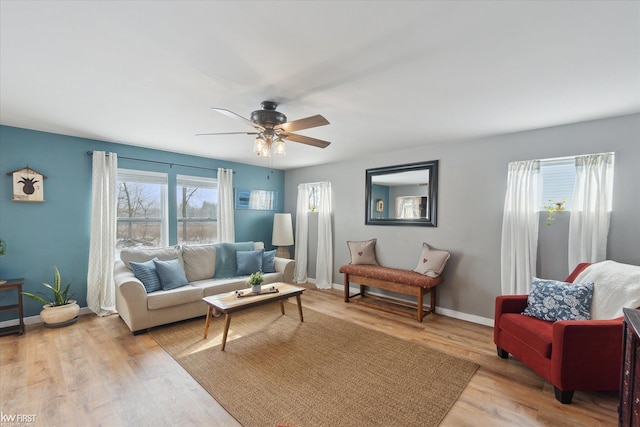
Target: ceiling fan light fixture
279 149
259 145
266 151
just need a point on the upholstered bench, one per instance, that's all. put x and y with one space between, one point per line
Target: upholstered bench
405 282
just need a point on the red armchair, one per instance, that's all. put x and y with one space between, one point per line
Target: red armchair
572 355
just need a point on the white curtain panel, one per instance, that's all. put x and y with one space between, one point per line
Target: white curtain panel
101 292
589 221
324 260
302 233
226 225
520 227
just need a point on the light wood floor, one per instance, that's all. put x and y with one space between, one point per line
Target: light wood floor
97 373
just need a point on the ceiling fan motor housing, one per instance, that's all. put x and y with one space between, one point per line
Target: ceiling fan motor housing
268 116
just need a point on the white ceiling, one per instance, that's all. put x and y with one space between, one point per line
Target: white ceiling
387 75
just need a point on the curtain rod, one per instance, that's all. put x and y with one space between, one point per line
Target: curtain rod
90 153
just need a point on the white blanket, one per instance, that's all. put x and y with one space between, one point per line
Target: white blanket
615 286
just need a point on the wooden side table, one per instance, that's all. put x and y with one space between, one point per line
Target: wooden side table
629 409
17 285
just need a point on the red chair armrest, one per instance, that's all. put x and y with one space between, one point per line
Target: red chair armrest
507 304
510 304
586 354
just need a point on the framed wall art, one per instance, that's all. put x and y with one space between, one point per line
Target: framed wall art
264 200
28 185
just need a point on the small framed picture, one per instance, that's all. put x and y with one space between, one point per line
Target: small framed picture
379 205
28 185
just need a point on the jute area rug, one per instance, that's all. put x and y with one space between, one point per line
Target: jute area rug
276 370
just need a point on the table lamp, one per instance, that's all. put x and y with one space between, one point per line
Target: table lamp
282 234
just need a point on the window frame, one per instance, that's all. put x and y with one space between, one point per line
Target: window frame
147 177
200 182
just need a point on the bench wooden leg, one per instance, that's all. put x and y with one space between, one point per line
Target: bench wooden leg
432 291
346 288
420 302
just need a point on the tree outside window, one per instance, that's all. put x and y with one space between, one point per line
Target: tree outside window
141 209
197 207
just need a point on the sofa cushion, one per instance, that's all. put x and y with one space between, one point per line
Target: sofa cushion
171 274
226 260
146 273
269 261
363 252
147 254
431 261
174 297
249 262
199 261
534 333
553 300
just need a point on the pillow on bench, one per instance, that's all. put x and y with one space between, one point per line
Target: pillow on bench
432 261
363 252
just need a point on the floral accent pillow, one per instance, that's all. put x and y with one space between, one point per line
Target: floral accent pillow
553 300
363 252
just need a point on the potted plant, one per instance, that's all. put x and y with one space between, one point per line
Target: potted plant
255 281
60 310
554 207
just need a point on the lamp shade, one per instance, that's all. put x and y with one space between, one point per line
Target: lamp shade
282 230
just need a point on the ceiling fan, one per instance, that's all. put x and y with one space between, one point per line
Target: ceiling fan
272 129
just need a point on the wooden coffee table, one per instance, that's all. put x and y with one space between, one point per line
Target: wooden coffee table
229 303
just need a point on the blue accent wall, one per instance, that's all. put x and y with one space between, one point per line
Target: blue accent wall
379 192
56 232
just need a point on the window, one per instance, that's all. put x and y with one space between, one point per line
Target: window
141 210
557 177
314 200
197 207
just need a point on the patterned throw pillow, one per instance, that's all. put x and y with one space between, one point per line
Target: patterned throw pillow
553 300
363 252
146 273
432 261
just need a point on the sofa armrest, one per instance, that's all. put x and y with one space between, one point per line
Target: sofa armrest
286 267
131 296
587 352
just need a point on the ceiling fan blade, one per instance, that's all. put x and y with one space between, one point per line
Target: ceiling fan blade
306 123
238 117
228 133
306 140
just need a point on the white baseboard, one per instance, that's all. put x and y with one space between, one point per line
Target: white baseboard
439 310
32 320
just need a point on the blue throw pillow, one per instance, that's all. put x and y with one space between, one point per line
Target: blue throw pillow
226 260
269 261
146 273
249 262
171 274
553 300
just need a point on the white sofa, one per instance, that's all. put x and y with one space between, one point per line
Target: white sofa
141 310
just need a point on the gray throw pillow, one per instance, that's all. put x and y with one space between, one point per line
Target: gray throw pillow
363 252
171 274
432 261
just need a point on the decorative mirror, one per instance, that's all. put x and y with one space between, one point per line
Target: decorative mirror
402 194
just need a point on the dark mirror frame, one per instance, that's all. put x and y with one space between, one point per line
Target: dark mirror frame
432 167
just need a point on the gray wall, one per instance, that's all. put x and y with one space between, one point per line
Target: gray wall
472 185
